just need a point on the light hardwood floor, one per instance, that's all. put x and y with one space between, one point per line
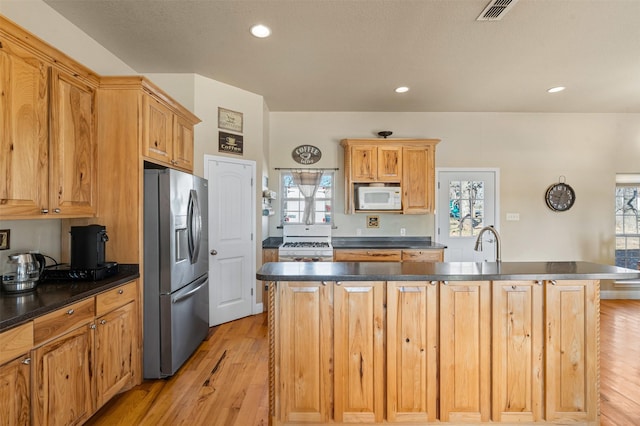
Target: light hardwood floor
226 381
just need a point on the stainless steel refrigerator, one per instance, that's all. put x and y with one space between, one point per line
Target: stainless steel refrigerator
176 264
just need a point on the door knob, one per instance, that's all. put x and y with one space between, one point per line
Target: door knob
213 252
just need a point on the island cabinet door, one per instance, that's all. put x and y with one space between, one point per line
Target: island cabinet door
516 366
465 349
303 348
412 351
359 351
571 350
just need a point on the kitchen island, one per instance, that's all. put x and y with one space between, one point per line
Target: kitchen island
422 343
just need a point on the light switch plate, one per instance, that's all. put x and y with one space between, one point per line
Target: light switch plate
513 216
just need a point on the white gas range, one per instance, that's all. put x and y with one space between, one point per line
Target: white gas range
306 243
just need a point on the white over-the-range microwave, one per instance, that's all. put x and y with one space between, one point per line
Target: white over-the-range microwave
379 198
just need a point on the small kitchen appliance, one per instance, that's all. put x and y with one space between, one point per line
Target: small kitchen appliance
306 243
23 272
87 257
379 198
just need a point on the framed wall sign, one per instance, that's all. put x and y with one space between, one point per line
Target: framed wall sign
229 120
230 143
306 154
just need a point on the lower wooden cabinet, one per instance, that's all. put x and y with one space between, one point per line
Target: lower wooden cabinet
509 352
517 357
15 390
359 351
304 332
85 354
388 255
571 351
62 392
115 345
465 350
412 351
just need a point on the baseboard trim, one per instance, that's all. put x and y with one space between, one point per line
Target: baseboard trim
258 307
620 294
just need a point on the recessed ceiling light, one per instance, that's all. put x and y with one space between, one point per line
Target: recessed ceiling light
556 89
402 89
260 31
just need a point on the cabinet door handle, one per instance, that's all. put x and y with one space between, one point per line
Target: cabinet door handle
554 282
433 282
56 210
44 211
92 326
121 291
26 361
103 322
70 312
324 282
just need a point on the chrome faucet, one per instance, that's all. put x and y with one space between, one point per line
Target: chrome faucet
491 229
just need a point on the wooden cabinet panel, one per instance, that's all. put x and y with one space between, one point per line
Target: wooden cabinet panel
412 351
157 130
114 298
24 133
517 363
62 393
389 163
182 143
415 255
16 341
364 163
465 351
363 255
359 351
304 350
115 342
418 180
15 388
571 350
55 323
73 166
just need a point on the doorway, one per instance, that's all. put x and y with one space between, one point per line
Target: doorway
466 201
232 223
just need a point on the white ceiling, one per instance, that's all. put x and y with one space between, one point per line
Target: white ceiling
349 55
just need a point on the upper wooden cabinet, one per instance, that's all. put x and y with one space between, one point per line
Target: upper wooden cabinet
167 136
373 163
48 145
409 163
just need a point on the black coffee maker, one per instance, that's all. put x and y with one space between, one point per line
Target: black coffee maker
87 246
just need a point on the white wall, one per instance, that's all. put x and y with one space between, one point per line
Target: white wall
531 150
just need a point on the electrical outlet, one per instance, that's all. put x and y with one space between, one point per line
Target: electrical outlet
403 231
358 231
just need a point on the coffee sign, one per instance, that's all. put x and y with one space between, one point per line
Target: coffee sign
306 154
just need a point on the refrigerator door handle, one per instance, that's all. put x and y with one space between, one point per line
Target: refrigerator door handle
188 294
194 222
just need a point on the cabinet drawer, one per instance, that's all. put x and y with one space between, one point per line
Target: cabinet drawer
114 298
17 341
51 325
368 255
422 255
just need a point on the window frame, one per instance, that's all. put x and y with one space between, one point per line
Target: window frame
626 181
284 198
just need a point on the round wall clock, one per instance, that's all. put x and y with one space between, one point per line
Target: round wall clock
560 197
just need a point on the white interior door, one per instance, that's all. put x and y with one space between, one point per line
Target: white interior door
466 202
231 238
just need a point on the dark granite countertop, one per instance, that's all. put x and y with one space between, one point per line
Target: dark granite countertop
441 271
423 243
48 296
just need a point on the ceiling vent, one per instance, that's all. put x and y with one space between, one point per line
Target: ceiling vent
496 10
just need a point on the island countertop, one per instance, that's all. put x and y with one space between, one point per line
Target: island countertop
441 271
